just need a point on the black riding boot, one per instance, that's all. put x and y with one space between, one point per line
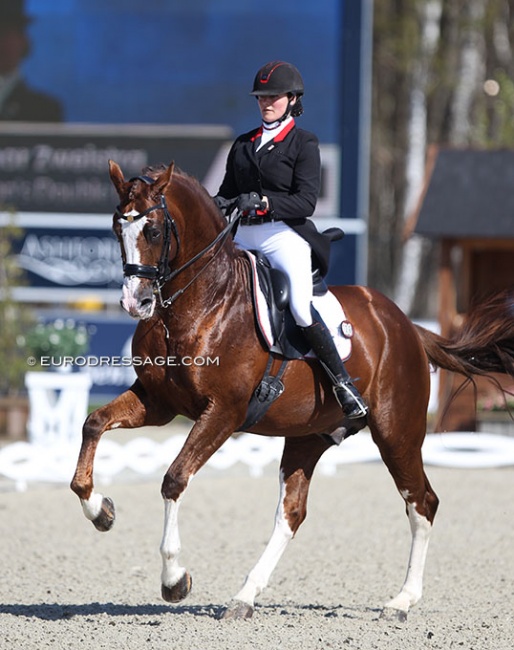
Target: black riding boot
322 343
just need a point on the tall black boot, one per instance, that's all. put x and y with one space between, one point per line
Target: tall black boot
322 343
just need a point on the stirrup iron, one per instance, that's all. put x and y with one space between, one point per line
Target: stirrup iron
350 400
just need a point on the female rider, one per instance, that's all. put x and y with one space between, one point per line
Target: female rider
273 177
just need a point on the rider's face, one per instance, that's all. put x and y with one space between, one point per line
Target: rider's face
273 107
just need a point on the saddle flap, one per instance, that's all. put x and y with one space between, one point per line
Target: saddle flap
279 287
277 327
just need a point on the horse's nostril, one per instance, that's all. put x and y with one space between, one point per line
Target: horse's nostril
146 302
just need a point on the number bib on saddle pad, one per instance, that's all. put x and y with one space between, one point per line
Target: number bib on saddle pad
288 340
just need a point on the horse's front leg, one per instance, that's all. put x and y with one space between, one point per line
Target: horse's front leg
211 430
128 411
297 466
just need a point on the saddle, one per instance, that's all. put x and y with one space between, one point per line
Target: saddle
281 334
287 336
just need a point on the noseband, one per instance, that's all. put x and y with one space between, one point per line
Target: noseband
162 273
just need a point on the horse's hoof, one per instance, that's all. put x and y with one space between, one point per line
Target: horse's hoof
237 611
393 615
179 591
105 520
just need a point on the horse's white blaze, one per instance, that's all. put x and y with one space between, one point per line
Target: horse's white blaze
92 506
413 586
130 232
259 576
170 545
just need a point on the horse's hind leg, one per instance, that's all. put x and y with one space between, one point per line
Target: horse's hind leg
126 411
406 468
421 515
298 462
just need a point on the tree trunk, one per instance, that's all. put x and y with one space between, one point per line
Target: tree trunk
471 72
410 269
430 61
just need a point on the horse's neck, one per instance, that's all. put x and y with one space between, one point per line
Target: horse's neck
219 294
241 270
218 278
203 267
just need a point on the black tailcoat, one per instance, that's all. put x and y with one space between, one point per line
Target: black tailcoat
288 171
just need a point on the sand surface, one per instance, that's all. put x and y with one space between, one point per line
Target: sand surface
65 585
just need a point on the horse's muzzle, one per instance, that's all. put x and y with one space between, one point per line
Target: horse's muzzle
138 298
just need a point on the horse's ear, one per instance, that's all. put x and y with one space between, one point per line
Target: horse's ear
164 179
116 176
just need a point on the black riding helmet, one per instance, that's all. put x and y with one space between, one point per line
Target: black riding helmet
279 78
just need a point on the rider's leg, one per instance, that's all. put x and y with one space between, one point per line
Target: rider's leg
290 253
323 345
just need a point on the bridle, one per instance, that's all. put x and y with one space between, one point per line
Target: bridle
162 273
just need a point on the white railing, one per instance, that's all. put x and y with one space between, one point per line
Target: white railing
24 462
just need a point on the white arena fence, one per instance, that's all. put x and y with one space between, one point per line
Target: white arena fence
58 407
25 463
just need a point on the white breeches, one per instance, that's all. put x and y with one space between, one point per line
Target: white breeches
288 252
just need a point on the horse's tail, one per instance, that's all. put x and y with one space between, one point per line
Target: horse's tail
483 344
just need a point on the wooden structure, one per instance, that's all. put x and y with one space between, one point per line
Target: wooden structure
468 206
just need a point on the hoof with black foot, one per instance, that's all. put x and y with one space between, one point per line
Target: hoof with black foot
179 591
237 611
105 520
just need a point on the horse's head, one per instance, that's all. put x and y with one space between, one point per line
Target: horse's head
147 235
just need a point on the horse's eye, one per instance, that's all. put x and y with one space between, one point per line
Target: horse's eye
153 234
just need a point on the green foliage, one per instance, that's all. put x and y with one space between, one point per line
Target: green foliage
483 120
21 336
494 126
61 338
15 318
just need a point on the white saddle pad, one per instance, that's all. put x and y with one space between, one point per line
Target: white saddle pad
328 306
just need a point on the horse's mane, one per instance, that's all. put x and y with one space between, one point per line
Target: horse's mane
155 170
192 182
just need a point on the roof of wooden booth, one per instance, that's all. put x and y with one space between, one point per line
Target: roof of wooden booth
468 194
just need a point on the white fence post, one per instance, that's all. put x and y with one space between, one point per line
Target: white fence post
58 404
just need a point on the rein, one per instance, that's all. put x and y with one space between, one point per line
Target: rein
161 274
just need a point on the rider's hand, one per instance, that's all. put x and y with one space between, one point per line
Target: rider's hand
250 202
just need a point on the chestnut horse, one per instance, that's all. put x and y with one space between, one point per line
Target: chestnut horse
189 285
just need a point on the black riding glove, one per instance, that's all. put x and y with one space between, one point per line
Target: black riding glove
226 206
250 202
